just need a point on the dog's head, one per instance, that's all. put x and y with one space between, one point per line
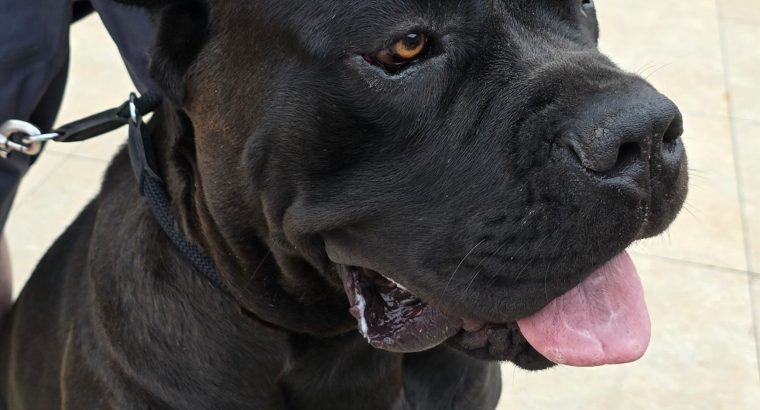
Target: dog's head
453 165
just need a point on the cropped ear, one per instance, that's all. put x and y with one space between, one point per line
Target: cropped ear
182 32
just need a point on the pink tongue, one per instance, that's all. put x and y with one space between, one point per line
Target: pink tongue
604 320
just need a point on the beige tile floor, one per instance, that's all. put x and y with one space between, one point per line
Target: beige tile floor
702 278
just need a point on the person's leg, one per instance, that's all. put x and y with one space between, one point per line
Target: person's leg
134 33
34 52
6 278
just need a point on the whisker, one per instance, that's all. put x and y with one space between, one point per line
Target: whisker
469 284
644 67
520 272
460 265
656 70
261 263
549 264
495 274
477 268
694 212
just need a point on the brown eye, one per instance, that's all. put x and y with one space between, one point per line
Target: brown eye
402 52
409 47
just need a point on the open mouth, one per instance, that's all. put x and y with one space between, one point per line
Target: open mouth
603 320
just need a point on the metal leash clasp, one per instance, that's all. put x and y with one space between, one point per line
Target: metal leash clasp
132 108
25 138
30 144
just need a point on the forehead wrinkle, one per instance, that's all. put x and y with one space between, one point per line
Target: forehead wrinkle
337 27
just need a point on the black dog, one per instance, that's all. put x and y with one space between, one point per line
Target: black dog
444 168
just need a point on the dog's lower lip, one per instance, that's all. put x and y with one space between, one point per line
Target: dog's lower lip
392 318
421 326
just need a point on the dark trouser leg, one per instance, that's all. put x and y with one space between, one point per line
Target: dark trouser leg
34 51
15 166
34 63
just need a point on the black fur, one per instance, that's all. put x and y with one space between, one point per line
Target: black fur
183 30
471 177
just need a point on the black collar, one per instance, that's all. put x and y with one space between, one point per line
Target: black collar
152 187
142 156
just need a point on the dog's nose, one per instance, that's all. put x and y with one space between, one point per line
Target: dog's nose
619 130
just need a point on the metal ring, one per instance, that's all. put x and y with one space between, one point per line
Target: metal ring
11 127
41 138
132 108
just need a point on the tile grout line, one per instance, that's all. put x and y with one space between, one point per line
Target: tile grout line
721 117
725 269
737 169
739 20
72 155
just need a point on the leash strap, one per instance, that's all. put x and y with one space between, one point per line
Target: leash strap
141 154
25 138
152 187
107 120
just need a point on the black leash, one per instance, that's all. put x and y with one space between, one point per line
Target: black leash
142 157
108 120
152 187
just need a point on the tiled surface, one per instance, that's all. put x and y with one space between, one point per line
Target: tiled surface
741 39
742 54
705 55
665 41
748 152
740 10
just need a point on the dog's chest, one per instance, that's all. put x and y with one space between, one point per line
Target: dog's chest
352 375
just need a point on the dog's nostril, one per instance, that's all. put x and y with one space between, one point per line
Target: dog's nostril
674 130
606 156
629 153
615 134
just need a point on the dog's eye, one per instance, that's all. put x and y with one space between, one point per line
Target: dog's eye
401 53
587 5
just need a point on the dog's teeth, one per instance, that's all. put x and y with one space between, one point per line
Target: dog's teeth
361 306
398 285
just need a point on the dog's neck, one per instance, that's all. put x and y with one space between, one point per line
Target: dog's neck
268 282
163 297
